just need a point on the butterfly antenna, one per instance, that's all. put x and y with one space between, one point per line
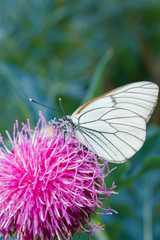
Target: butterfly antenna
32 100
60 102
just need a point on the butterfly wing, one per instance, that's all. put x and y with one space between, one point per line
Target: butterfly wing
114 125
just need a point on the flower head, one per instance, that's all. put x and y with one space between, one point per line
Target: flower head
49 184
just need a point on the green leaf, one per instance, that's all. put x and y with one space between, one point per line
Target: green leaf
150 164
98 77
100 234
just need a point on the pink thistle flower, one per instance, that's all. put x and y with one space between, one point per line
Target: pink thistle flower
49 185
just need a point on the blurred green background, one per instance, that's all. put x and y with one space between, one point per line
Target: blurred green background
77 50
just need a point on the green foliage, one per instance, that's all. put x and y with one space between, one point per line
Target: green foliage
77 50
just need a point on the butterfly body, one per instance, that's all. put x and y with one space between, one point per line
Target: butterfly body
114 125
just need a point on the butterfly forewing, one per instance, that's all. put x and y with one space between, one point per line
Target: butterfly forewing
114 124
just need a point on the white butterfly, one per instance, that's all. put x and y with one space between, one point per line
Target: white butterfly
113 125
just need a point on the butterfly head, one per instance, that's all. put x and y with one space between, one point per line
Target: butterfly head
69 125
